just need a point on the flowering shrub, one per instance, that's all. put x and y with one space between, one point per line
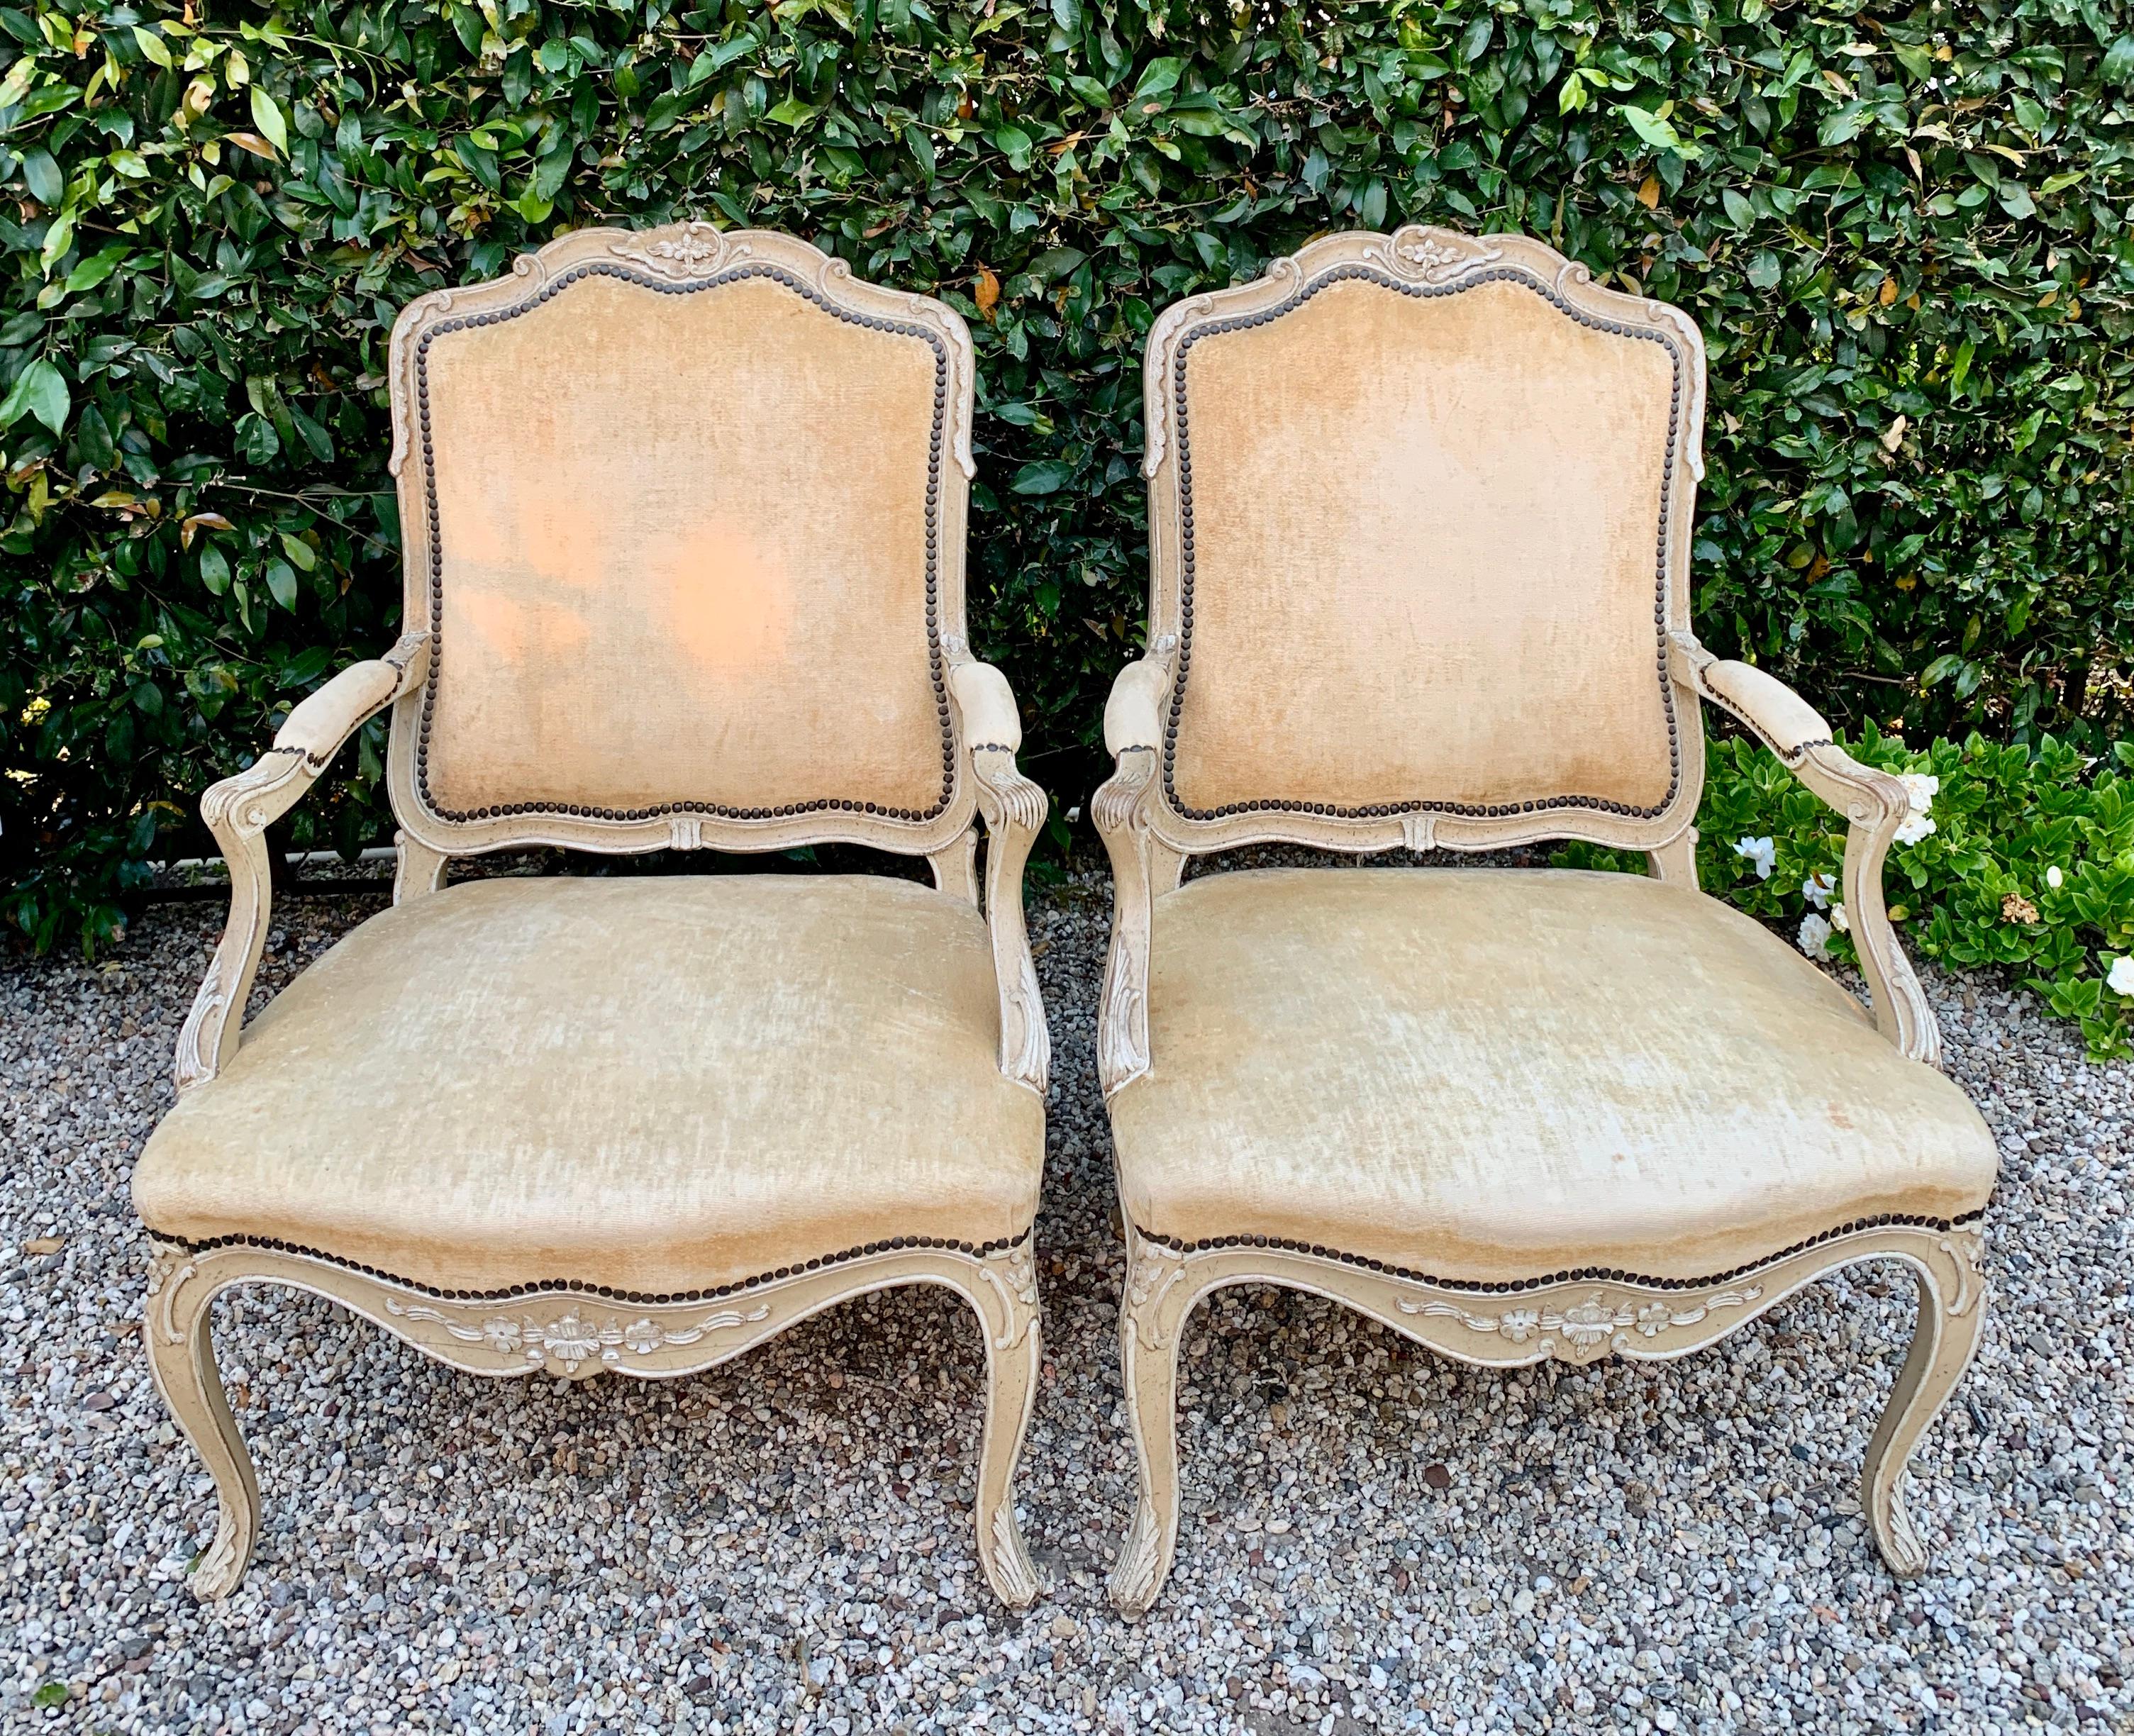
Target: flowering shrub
2008 858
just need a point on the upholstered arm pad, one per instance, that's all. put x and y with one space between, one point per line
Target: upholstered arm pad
324 719
1786 722
987 704
1133 715
239 810
1875 805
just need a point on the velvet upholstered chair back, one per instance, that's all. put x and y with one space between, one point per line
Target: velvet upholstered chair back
1421 508
684 512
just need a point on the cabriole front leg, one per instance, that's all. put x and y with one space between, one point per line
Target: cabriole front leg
1158 1298
1007 1303
1951 1317
181 1357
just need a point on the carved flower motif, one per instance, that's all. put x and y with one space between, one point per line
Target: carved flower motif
689 250
571 1339
1519 1324
1428 253
1655 1318
643 1337
501 1335
1588 1321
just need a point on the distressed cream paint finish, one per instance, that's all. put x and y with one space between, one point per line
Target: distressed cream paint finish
636 1127
1440 492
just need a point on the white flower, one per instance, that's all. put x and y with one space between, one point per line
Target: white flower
1762 851
1815 936
1920 788
1839 920
2120 978
2054 877
1817 889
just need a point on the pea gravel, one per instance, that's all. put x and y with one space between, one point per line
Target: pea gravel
1375 1538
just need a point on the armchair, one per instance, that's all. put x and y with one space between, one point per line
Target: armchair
684 516
1420 511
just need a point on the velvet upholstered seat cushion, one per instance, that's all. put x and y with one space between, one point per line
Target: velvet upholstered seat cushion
656 1085
1491 1076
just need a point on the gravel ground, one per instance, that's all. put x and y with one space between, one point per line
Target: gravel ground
1374 1539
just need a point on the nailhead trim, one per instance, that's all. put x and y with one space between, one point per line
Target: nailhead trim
841 804
895 1244
1381 810
1583 1275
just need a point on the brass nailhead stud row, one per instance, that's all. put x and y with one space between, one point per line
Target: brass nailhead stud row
823 804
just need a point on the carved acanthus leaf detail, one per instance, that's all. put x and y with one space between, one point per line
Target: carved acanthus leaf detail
1122 1047
1013 1273
1152 1268
1014 1578
1134 1575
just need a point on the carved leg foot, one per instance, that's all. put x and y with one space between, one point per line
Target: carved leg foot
1012 1355
181 1357
1155 1307
1943 1344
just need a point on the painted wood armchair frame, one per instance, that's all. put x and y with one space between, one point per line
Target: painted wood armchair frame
575 1331
1150 834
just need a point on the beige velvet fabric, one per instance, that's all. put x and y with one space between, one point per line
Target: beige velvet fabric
684 554
1425 555
1491 1076
659 1085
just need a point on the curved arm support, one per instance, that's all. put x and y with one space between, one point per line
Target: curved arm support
1875 805
1013 809
1132 732
239 810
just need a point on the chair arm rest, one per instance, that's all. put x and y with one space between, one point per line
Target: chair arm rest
1133 733
239 810
1787 723
1875 805
326 718
1133 715
1013 809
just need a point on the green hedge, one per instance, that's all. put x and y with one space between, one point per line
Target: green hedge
1904 229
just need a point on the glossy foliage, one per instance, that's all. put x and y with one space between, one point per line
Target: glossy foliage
2021 860
1902 228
